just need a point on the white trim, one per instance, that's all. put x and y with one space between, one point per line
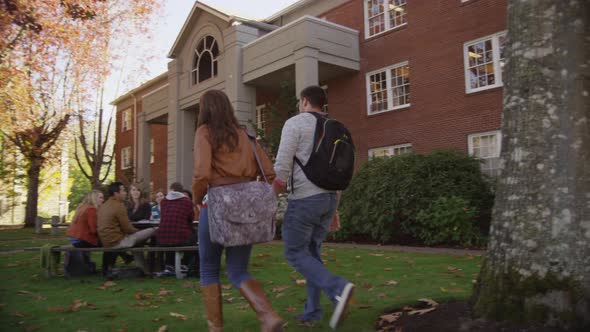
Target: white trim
154 91
203 7
260 116
282 12
299 20
498 134
386 17
391 149
152 150
128 152
123 122
389 88
498 79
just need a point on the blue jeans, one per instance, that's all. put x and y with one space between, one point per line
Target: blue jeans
236 258
305 227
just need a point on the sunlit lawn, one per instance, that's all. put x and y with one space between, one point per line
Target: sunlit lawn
384 279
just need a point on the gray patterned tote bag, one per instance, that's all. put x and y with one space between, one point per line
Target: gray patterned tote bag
242 213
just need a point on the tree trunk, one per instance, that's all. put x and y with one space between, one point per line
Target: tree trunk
538 264
33 173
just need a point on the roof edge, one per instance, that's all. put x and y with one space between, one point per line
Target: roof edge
139 88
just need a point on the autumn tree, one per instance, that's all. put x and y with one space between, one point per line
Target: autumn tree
538 265
52 59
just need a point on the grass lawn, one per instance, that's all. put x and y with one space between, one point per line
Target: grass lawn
384 279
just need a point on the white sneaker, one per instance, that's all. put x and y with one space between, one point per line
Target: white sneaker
342 304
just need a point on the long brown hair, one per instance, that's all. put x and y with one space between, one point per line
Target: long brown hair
216 111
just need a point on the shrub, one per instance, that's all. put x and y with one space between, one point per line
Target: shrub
448 220
387 194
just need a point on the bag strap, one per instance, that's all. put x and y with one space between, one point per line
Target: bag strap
253 143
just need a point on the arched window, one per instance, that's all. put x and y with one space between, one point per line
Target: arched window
205 62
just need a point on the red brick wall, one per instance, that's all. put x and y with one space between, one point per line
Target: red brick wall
160 135
441 113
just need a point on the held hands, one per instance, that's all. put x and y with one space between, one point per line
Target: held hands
279 186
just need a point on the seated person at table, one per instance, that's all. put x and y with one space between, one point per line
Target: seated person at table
138 208
176 226
114 228
156 207
82 232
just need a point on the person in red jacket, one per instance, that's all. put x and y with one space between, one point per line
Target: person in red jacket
176 226
83 232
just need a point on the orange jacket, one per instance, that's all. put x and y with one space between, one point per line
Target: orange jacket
223 166
84 226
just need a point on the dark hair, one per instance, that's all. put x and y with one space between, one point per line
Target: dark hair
315 95
216 111
188 194
176 186
115 187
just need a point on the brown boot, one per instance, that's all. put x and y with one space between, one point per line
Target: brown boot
212 301
270 321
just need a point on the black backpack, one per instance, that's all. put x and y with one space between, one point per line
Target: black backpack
331 163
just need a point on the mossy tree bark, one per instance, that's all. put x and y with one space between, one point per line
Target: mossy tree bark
538 264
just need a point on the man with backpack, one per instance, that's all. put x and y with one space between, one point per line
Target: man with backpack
316 158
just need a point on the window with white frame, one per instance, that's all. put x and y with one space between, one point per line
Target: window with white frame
384 15
260 116
487 147
390 151
205 64
152 151
388 88
126 157
127 120
484 60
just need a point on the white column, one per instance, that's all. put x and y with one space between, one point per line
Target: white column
306 68
242 97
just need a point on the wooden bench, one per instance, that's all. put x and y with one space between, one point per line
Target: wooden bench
178 252
54 221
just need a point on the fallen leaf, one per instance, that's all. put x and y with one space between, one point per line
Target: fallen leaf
179 316
358 275
145 296
18 314
430 302
164 291
381 295
279 288
390 318
387 269
453 269
453 284
77 305
32 327
291 309
226 287
11 265
123 329
300 282
163 328
229 300
391 283
420 311
178 300
376 255
155 320
365 306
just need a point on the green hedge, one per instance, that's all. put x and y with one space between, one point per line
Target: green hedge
436 198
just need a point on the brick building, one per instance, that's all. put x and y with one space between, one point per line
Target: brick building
403 75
